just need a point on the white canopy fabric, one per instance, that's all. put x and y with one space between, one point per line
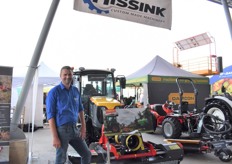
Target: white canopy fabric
47 77
160 67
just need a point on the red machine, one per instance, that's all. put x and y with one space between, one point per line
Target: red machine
131 148
160 111
122 147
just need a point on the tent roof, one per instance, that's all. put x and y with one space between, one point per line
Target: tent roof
47 76
45 71
160 67
46 81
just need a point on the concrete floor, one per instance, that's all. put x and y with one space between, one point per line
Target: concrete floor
42 152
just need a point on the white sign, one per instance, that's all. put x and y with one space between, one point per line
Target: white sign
150 12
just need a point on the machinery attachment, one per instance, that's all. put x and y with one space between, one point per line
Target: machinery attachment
219 147
126 145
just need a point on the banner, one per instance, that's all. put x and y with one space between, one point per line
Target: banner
5 111
150 12
223 79
127 120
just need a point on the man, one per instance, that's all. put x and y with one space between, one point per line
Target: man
63 106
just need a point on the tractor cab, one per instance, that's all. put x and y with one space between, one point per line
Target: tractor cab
98 93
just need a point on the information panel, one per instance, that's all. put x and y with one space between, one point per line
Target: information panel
5 105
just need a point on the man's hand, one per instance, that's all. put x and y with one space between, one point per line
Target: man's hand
83 132
56 142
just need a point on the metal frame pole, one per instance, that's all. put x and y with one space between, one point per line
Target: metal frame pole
16 133
228 17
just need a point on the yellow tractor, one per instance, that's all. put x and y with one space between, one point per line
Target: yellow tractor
98 92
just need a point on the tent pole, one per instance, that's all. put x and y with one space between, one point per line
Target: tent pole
15 132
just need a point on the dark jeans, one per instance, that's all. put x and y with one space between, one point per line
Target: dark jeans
69 134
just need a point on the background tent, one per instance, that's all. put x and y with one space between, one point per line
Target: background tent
223 79
158 79
46 78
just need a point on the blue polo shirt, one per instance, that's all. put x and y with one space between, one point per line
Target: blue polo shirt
63 105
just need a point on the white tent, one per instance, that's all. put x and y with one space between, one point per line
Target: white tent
46 78
158 78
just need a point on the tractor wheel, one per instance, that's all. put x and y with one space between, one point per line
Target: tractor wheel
171 128
225 155
89 129
154 123
218 109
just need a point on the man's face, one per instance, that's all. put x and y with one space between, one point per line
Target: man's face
66 76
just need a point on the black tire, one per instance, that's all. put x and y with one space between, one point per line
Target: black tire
154 123
89 129
171 128
218 109
225 155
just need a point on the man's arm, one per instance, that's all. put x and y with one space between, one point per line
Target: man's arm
83 125
56 140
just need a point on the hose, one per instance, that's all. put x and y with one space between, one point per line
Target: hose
214 125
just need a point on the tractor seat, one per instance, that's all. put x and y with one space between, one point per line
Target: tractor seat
159 109
184 107
89 90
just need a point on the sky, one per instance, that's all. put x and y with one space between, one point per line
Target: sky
86 40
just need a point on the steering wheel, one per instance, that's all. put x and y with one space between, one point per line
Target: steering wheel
214 125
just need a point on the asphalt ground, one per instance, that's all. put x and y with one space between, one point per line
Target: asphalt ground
42 152
189 158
